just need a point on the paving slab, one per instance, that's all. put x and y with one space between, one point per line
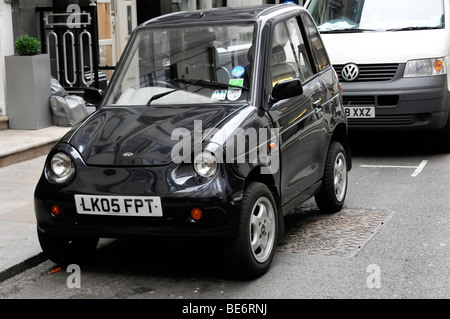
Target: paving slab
19 246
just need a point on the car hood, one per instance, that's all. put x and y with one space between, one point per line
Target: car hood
386 47
115 136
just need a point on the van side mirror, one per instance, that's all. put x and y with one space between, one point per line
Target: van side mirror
93 96
286 89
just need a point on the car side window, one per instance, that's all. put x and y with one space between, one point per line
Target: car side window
289 56
318 49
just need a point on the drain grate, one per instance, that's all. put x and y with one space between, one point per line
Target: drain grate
310 232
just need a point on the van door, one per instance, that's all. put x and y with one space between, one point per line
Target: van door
299 119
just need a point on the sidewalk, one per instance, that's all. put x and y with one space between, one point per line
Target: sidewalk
22 157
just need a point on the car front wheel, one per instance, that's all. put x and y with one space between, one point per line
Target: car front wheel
252 250
331 197
64 250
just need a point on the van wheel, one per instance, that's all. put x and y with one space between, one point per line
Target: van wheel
253 248
64 250
331 196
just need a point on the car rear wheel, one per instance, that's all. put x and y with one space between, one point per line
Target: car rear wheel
252 250
64 250
332 195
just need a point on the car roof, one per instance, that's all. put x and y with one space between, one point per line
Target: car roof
217 15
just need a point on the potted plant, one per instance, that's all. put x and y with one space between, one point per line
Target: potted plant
26 45
28 85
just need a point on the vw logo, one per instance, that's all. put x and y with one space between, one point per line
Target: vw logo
128 154
350 72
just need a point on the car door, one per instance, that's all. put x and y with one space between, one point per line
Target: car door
300 118
330 83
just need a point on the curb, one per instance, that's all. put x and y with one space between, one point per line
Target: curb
20 156
22 266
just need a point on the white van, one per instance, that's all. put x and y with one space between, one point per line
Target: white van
392 58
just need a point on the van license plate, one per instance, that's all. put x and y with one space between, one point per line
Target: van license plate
353 112
147 206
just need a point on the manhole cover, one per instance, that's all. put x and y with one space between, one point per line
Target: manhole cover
310 232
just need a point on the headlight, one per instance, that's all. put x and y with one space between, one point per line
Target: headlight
205 164
426 67
60 168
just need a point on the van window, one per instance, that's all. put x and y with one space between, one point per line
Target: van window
289 56
378 15
318 48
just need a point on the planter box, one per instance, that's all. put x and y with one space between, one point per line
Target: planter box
28 91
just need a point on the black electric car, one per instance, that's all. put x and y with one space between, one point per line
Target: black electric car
216 124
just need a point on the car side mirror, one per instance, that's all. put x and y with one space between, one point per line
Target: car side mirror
286 89
93 96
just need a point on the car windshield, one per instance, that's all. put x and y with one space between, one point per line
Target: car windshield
376 15
186 65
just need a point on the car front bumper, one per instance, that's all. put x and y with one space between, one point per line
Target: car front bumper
219 198
414 104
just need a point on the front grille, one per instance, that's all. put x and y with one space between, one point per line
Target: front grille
383 120
358 100
371 72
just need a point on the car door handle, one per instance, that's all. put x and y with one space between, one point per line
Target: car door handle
317 104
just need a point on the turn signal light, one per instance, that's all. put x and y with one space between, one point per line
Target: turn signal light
438 65
196 213
56 210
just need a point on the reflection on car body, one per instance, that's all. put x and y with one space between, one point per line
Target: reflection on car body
213 126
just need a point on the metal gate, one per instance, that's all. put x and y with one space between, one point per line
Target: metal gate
71 40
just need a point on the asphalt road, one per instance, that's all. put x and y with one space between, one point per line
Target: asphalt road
391 240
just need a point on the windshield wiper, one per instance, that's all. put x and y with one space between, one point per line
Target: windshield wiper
210 84
160 95
350 30
415 28
202 83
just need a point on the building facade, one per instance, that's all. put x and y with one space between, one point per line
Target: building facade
6 46
115 18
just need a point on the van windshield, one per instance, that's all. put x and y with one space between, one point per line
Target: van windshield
198 64
376 15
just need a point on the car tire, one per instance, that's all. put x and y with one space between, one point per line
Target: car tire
63 250
253 248
331 196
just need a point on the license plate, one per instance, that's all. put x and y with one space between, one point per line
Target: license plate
148 206
359 112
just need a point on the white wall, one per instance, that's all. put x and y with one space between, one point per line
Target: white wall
6 47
